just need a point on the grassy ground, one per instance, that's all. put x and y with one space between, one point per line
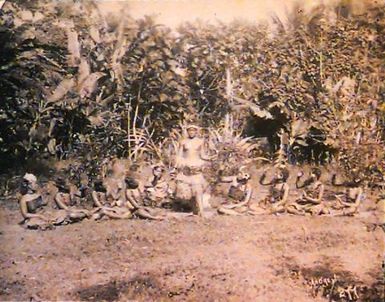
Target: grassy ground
266 258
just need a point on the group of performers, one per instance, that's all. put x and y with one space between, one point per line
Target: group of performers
119 196
310 201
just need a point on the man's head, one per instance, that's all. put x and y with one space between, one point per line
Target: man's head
315 173
243 177
158 170
61 183
99 186
356 177
30 180
131 183
192 131
282 174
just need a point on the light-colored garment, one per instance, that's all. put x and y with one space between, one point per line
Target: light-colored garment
188 186
57 217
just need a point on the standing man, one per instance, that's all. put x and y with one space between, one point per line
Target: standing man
190 160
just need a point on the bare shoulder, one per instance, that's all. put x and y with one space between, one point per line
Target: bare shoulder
183 141
249 187
319 184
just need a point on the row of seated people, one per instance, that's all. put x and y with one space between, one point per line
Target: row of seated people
121 197
311 201
115 197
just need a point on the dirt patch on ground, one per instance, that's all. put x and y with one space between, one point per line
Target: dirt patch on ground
114 290
7 287
221 259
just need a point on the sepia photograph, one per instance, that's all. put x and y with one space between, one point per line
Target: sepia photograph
191 150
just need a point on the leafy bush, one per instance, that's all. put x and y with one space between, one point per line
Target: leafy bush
77 84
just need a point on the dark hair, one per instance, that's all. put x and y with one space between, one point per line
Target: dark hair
60 180
61 184
317 172
134 167
98 186
24 186
285 174
131 183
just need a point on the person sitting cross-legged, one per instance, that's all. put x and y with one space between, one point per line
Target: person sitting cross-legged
311 200
240 193
278 193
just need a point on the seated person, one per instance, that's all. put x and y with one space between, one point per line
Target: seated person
136 202
36 211
138 209
98 195
66 198
108 207
278 195
102 197
312 195
240 192
347 204
132 207
157 190
111 189
115 184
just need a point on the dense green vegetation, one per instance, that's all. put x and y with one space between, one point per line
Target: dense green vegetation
74 84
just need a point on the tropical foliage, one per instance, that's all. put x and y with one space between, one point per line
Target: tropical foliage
77 84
